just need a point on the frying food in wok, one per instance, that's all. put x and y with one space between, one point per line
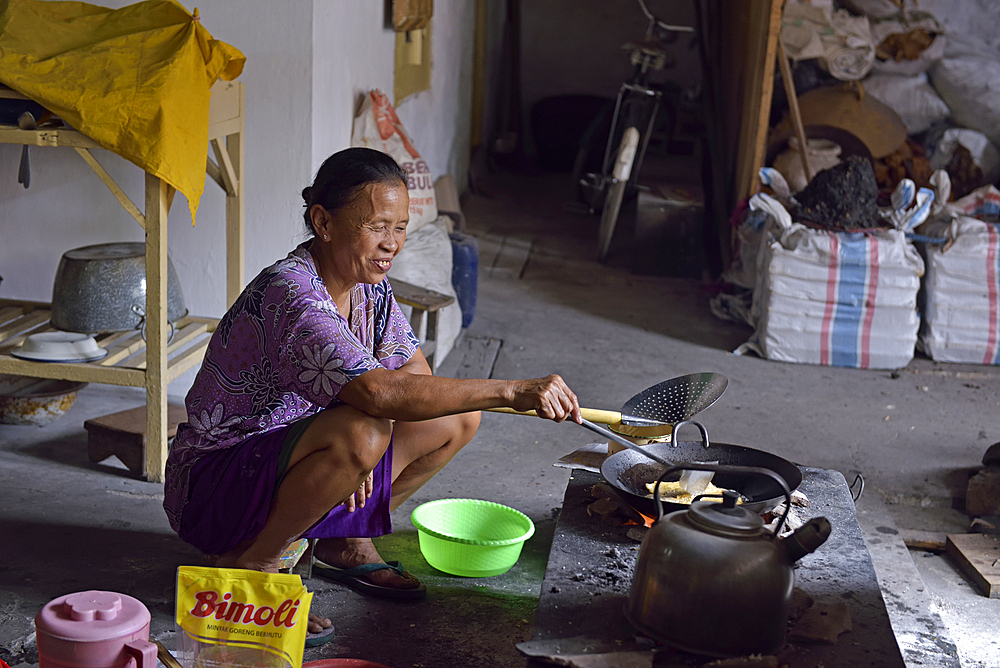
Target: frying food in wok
674 493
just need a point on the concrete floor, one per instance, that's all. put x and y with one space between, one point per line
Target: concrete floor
611 330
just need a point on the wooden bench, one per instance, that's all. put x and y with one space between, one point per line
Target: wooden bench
123 435
422 301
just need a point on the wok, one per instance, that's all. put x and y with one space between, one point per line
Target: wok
628 472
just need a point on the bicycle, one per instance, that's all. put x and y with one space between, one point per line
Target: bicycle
636 106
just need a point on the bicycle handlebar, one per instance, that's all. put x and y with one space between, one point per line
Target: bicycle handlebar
661 24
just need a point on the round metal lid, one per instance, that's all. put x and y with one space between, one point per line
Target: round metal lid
107 251
92 616
725 518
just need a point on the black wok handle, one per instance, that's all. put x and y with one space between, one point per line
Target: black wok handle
725 468
607 433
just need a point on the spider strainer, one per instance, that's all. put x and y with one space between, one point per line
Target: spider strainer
678 398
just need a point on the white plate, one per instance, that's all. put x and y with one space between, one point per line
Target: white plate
59 347
55 356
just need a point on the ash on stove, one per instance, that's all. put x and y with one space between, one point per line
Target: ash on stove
615 573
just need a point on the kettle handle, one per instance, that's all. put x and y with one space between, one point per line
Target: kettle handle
725 468
143 653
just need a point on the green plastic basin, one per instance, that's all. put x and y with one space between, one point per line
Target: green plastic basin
471 537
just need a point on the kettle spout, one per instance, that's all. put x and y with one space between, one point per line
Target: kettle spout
807 538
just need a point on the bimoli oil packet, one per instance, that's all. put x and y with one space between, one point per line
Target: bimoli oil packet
229 617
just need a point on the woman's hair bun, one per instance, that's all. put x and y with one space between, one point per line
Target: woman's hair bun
307 195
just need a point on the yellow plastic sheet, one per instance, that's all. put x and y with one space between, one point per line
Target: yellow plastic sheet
136 80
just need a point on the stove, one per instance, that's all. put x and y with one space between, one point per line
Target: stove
589 573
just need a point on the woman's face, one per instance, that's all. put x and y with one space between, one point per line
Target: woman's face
364 236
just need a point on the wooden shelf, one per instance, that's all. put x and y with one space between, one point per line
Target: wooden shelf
153 363
125 363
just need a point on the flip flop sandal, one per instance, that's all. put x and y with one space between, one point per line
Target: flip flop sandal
320 637
354 578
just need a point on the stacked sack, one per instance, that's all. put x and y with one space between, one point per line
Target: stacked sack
838 298
962 286
935 63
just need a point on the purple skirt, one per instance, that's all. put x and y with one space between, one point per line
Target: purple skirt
231 491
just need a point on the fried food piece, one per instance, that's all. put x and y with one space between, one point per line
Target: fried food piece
672 492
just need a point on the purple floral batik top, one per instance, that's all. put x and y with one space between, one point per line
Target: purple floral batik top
282 352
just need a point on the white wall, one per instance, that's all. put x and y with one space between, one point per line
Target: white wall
308 61
354 53
439 120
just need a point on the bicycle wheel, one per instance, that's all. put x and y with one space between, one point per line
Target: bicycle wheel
620 176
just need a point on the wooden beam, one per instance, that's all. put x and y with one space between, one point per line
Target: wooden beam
23 323
46 137
757 103
793 109
214 173
115 189
226 107
84 372
107 339
188 359
156 327
181 338
927 541
230 179
235 232
10 312
124 350
10 344
225 128
23 304
421 298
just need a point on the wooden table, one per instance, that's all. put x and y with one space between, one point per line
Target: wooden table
152 363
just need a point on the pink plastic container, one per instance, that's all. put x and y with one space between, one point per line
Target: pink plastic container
94 629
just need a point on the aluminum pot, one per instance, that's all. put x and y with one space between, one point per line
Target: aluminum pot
102 288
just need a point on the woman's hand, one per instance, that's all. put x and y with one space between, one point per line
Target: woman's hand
550 397
357 500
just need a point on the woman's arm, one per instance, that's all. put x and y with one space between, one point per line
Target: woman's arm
417 364
408 396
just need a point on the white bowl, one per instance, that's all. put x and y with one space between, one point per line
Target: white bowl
59 347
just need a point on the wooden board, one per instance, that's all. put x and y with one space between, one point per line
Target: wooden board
421 298
978 556
928 541
479 355
512 257
411 14
764 27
